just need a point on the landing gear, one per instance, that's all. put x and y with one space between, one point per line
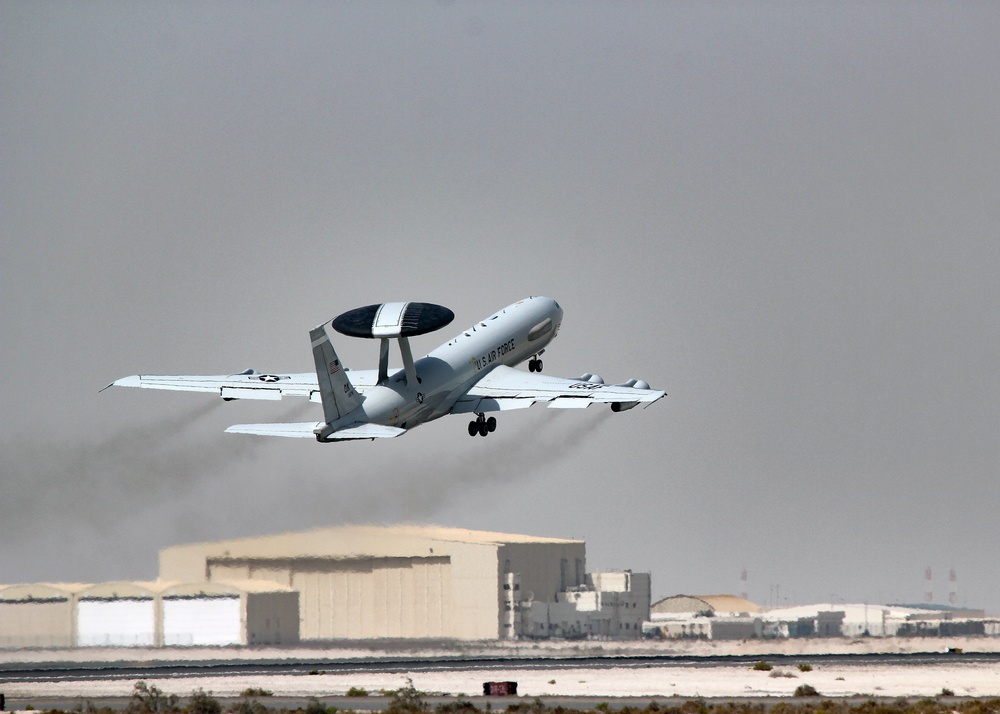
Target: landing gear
534 365
482 426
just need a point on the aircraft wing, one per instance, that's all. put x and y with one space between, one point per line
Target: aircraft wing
508 388
246 385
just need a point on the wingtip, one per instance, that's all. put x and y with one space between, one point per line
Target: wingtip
131 381
660 395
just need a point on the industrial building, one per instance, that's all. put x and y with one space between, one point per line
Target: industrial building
715 605
721 617
39 615
140 614
610 605
359 582
712 617
869 620
349 582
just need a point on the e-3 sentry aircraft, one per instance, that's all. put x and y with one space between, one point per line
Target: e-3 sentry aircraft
472 373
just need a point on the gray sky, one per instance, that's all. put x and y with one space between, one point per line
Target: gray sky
784 214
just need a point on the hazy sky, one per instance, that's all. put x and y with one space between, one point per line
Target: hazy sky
787 215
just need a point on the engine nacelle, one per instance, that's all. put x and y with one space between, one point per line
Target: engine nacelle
635 384
622 406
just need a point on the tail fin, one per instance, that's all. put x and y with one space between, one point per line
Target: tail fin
338 394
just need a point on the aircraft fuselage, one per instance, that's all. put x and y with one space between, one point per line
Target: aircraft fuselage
508 337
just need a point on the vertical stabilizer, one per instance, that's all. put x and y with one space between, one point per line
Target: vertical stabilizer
338 394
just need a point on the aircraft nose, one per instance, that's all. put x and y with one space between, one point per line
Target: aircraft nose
557 311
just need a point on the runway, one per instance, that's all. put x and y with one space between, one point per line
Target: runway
586 679
114 670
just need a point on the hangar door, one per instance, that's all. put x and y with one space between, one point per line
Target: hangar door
124 622
35 623
202 620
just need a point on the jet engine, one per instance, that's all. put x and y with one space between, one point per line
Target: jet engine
625 406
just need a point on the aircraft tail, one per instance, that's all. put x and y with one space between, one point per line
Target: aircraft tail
335 388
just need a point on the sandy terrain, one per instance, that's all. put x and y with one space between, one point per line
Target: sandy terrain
706 680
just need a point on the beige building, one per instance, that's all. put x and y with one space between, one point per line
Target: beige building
713 617
393 582
39 615
239 613
726 605
146 614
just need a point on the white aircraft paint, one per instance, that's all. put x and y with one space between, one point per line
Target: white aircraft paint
473 373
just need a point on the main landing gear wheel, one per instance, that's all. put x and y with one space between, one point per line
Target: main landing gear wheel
535 365
482 426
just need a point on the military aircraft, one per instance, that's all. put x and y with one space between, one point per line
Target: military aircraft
472 373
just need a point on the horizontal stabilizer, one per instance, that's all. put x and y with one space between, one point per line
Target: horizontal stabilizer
301 430
306 430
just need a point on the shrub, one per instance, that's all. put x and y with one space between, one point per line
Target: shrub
803 667
462 706
248 706
695 706
315 706
806 690
763 666
256 692
87 707
150 700
407 700
779 673
947 692
202 703
357 692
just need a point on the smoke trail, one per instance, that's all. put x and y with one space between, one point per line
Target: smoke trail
84 509
533 447
76 484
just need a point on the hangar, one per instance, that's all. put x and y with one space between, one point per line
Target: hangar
137 614
39 615
359 582
218 614
348 582
715 604
118 614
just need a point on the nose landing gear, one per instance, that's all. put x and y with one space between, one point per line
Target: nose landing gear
535 364
482 426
